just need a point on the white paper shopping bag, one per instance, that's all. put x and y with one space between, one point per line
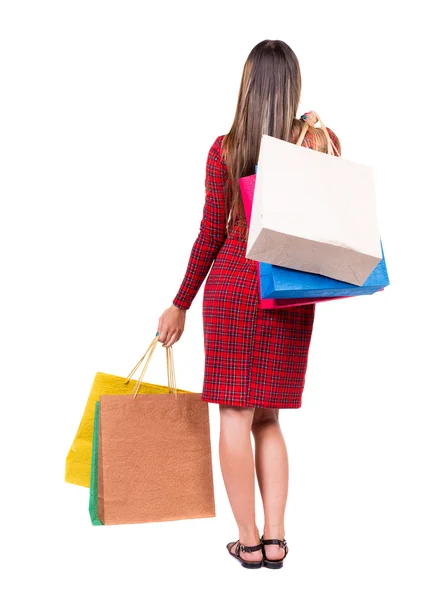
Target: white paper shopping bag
314 212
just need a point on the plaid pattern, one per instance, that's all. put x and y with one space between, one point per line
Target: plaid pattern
253 357
212 229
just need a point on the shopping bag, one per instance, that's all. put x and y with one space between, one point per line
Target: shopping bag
154 459
314 212
247 187
93 497
79 458
280 282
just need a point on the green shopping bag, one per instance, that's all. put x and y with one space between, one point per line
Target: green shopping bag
93 498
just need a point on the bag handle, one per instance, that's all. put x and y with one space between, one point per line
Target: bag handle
171 374
330 144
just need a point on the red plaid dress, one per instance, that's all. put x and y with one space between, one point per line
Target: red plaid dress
253 357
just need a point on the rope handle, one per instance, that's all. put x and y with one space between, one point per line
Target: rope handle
171 373
330 144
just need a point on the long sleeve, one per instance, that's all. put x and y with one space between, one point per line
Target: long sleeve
212 229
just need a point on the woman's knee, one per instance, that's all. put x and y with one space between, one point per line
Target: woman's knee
265 417
235 416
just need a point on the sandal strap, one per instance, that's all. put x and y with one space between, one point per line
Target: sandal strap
242 548
280 543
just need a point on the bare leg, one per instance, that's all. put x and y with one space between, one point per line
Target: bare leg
238 470
272 473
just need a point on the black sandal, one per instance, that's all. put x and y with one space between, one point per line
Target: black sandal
248 564
278 563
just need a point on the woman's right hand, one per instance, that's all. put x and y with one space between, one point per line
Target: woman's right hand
171 325
311 118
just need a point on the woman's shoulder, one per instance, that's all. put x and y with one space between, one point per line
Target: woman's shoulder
317 142
334 138
216 150
332 135
217 145
218 142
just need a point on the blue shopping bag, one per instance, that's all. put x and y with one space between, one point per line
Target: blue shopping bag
281 282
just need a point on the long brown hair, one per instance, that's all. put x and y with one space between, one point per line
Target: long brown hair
268 99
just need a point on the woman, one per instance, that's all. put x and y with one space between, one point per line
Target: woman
255 360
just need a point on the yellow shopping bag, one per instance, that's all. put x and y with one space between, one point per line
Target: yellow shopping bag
79 458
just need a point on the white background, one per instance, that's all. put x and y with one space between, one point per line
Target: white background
108 110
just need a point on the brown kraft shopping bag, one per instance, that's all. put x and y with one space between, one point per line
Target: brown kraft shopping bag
154 457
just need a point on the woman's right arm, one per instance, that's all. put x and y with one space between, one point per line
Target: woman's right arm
205 248
212 229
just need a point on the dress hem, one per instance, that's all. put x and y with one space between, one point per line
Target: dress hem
246 405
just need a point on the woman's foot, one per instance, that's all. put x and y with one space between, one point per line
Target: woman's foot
272 551
249 538
256 556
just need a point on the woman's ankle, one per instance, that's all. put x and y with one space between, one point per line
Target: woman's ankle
249 536
274 531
